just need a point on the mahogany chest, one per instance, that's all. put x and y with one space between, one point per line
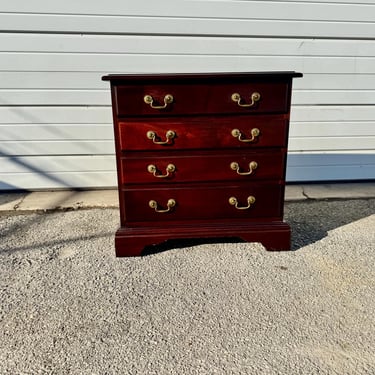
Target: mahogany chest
201 156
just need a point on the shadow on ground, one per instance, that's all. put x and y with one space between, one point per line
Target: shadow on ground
310 221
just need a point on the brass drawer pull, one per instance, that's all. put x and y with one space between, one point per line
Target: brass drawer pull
252 166
234 202
255 97
168 99
254 135
170 204
169 135
152 169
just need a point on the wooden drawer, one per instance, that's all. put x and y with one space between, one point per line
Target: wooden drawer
195 98
241 166
202 202
200 133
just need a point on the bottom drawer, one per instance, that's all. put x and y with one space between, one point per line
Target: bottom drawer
203 202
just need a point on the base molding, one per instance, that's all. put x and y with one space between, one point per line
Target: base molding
131 241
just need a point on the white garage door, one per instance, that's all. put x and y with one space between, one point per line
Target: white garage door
55 116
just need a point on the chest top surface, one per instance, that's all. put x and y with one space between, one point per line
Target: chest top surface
188 77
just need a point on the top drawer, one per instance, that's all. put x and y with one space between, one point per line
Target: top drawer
214 98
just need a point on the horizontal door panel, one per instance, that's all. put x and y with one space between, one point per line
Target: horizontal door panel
205 10
171 45
182 26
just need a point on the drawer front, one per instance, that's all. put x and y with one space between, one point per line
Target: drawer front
240 166
177 99
203 133
200 202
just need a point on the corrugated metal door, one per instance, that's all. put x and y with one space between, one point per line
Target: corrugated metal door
55 116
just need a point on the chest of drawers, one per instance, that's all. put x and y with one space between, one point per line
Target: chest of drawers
201 156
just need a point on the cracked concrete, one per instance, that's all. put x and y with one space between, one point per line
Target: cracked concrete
18 204
339 191
11 201
72 200
357 190
304 193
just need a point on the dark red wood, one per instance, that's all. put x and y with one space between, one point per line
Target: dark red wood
202 166
203 201
273 235
195 98
203 116
227 77
203 133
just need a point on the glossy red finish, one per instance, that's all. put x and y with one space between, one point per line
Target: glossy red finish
202 116
204 166
273 235
201 202
195 98
203 133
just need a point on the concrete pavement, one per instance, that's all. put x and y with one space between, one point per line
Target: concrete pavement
69 307
69 199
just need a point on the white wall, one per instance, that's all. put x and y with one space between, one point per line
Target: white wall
55 116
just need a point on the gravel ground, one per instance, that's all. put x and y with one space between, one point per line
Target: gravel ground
68 306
